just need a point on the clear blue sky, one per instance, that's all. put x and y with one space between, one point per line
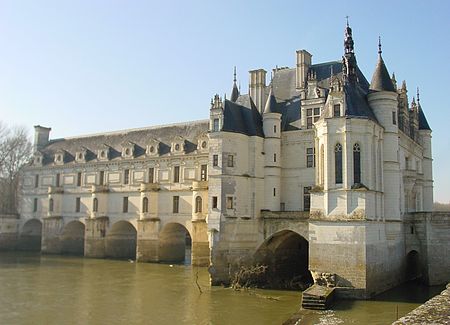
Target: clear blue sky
89 66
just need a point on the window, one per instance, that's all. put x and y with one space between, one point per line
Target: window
214 202
338 163
356 164
101 178
126 176
394 118
203 172
274 191
282 206
79 179
50 205
216 125
230 162
176 174
306 198
215 160
229 202
145 205
274 157
77 204
58 178
336 110
312 115
151 175
310 161
176 204
95 205
198 204
125 204
36 181
274 129
35 205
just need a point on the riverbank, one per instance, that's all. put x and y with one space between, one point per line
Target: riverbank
434 311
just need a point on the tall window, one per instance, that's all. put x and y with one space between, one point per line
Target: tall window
35 205
77 204
145 205
79 179
337 110
394 118
306 198
230 162
215 160
95 205
36 181
176 174
356 164
310 161
203 172
101 178
229 202
58 176
274 129
274 191
50 205
126 176
216 125
274 157
214 202
198 204
338 163
312 115
176 204
125 204
151 175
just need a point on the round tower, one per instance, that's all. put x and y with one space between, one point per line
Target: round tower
272 150
382 99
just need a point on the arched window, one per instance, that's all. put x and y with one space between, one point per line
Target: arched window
198 204
145 205
50 205
95 205
338 163
356 164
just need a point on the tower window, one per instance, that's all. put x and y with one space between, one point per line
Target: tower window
78 179
356 164
336 110
274 191
35 205
230 162
274 129
215 160
338 163
216 125
145 205
394 118
77 204
306 198
126 176
176 174
310 161
125 204
229 202
101 177
176 204
36 180
151 175
58 177
312 115
214 202
203 172
274 157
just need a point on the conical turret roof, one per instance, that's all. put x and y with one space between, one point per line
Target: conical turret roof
381 81
271 103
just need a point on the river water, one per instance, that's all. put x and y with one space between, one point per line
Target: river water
45 289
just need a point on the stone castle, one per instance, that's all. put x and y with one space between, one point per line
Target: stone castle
320 175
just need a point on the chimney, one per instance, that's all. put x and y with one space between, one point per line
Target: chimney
41 135
303 64
257 86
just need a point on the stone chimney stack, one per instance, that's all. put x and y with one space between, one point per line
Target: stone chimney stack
256 88
303 64
41 136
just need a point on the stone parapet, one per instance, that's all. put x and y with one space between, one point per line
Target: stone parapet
301 215
199 185
148 187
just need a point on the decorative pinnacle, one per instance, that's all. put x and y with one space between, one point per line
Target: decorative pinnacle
418 96
379 45
234 79
346 17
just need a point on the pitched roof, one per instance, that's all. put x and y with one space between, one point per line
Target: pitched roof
241 119
381 81
423 123
356 104
270 103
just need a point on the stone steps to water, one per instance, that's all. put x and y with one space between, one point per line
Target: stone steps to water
317 297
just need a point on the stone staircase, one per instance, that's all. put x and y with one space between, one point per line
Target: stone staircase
317 297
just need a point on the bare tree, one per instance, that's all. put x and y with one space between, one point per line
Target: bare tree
15 151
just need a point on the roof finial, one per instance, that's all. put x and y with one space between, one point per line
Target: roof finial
346 17
234 79
418 95
379 45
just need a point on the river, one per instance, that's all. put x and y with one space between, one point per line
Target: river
46 289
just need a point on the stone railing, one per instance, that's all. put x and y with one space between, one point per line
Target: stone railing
302 215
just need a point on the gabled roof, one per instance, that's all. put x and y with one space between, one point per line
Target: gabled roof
241 119
356 104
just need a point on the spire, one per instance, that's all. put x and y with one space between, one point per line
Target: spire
271 102
349 64
394 81
235 90
381 81
418 97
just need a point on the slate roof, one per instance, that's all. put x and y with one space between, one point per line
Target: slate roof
423 123
356 102
242 119
381 81
190 131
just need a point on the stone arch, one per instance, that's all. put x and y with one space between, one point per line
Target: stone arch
175 243
413 268
31 236
120 240
72 238
286 254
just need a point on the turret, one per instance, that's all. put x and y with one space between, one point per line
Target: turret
216 114
41 136
272 151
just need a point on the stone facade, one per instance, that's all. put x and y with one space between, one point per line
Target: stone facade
317 171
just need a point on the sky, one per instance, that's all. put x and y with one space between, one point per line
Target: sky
91 66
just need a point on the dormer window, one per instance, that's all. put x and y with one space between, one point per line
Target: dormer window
202 142
128 150
59 157
152 148
336 110
103 153
37 158
80 155
178 145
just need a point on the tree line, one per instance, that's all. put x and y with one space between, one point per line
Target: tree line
15 152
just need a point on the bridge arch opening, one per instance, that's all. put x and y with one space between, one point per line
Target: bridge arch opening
286 255
72 238
413 269
175 244
120 241
31 236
